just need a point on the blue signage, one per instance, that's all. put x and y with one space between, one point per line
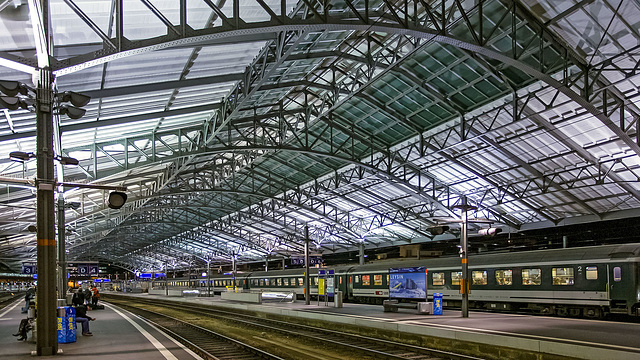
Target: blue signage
144 275
29 269
437 304
160 275
408 283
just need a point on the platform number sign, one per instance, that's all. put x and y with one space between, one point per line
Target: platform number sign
83 270
29 269
93 269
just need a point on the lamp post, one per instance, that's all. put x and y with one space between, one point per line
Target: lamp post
464 254
46 321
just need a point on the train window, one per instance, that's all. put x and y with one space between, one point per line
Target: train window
455 277
562 276
531 276
266 282
387 278
504 277
285 282
279 281
437 279
617 273
340 280
315 281
300 281
479 277
357 279
261 282
365 280
377 279
592 273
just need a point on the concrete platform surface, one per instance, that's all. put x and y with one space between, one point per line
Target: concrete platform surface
117 335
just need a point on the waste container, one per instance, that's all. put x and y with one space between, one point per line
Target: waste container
337 299
437 303
66 324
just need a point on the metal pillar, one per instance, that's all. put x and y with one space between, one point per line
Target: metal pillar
565 241
361 253
46 322
266 263
233 268
62 256
464 284
166 279
307 296
464 254
208 278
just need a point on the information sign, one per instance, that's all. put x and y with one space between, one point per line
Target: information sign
408 283
29 269
330 282
83 270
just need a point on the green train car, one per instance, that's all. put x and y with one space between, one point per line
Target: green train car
579 282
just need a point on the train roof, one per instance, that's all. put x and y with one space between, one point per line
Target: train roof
601 252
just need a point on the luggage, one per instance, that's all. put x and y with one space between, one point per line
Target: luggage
98 307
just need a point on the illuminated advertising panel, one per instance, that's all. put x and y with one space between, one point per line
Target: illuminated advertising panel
408 283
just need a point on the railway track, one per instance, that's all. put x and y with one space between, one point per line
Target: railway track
8 298
369 347
206 343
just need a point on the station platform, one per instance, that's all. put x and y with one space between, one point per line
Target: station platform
117 335
563 337
121 335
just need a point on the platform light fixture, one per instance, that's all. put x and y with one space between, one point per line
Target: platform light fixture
489 231
438 230
13 88
21 156
116 199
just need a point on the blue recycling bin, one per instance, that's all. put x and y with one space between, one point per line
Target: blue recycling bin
66 324
437 303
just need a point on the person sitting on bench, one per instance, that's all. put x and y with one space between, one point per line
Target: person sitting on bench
83 318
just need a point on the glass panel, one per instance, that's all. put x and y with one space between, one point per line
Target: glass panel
300 281
531 277
279 282
479 278
617 273
377 279
266 282
504 277
592 273
365 280
455 277
562 276
437 279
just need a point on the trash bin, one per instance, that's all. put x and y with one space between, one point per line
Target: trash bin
437 303
66 324
337 299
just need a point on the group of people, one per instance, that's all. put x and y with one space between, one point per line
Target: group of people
83 300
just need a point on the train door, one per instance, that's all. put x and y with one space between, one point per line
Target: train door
620 279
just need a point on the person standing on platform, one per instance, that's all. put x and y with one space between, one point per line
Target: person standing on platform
83 319
95 296
78 298
87 296
31 294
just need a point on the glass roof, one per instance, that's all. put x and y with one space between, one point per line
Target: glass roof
234 132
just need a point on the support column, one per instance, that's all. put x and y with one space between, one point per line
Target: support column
464 282
307 296
208 277
46 322
233 268
361 253
266 263
62 256
565 241
166 279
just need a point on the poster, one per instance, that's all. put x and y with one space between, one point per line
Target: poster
408 283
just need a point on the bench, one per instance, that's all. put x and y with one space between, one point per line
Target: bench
394 305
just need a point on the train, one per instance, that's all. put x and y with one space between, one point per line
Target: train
587 282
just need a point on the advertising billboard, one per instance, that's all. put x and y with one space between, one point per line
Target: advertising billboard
408 283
